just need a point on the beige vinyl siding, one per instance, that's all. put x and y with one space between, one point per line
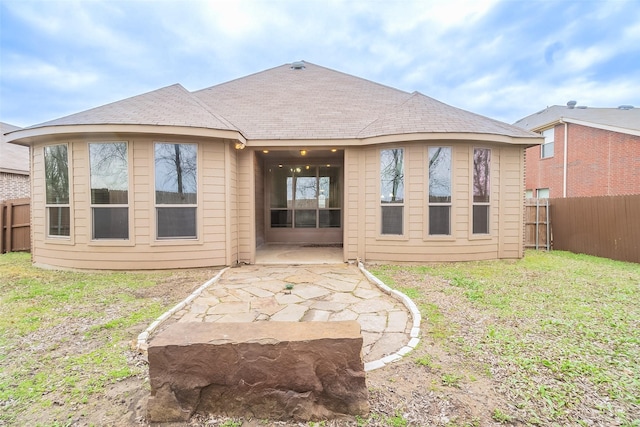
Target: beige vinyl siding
362 201
142 250
260 208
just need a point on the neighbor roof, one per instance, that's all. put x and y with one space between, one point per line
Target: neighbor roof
626 120
305 102
13 158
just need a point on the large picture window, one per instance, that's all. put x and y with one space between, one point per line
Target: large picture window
481 190
109 170
56 171
439 191
392 191
176 177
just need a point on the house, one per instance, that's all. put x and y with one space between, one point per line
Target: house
297 154
586 151
14 167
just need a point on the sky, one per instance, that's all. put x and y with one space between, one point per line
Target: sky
504 59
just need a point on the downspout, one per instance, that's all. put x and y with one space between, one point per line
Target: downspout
564 158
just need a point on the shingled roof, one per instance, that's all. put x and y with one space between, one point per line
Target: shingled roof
625 119
13 158
302 102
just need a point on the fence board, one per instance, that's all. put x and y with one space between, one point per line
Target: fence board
15 225
606 226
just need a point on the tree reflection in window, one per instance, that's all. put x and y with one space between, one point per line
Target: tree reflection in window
176 173
56 170
481 181
109 173
392 175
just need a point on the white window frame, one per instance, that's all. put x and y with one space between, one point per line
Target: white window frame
547 147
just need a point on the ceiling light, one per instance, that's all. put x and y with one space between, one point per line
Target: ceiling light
303 152
333 150
265 151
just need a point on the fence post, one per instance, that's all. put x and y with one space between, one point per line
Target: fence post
8 235
1 228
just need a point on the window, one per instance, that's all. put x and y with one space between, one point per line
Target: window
108 163
305 196
546 149
439 191
481 190
56 171
528 194
392 191
542 193
176 190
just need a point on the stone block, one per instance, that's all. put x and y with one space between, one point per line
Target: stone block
305 371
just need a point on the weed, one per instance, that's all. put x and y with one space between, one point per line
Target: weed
451 380
500 416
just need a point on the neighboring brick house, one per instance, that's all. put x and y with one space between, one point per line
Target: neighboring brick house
587 152
14 167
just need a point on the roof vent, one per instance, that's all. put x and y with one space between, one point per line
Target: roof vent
571 104
625 107
298 65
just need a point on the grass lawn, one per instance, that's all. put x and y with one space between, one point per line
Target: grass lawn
65 336
561 331
557 336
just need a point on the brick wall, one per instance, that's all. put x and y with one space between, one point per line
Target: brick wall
13 186
601 163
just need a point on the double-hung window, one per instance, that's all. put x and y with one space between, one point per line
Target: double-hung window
56 170
176 177
546 149
109 169
481 190
439 191
392 191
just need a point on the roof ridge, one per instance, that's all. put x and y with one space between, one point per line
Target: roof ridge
386 113
209 110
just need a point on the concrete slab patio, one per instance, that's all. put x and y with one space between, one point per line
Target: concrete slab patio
327 292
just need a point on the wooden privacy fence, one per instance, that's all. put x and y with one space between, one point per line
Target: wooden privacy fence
15 229
607 226
537 230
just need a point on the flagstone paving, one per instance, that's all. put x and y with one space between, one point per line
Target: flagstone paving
333 292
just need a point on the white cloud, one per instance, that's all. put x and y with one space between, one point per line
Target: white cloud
26 69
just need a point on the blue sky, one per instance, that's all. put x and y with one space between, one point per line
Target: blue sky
501 58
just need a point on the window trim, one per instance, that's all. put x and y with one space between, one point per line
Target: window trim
427 235
130 240
549 133
488 234
403 204
49 238
198 217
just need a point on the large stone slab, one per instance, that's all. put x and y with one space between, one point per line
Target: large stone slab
305 371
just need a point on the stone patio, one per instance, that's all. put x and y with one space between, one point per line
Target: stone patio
330 292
